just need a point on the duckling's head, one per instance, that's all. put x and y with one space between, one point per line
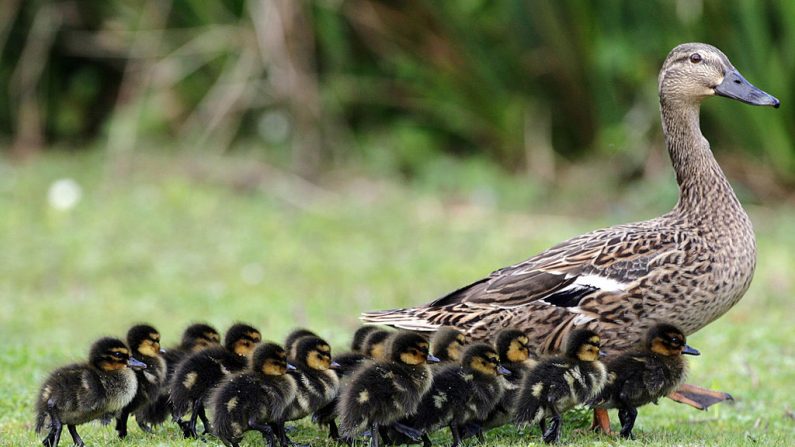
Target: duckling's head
513 345
694 71
291 341
447 342
359 337
144 339
314 353
111 354
242 339
270 359
482 359
583 344
200 336
409 348
667 340
375 344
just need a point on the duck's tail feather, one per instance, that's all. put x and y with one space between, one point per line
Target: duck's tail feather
408 318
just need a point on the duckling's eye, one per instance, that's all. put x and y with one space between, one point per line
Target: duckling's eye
695 58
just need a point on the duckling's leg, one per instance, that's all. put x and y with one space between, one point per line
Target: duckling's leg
698 397
194 415
144 426
404 429
121 423
426 440
627 415
374 431
456 434
75 437
552 435
265 430
333 431
54 437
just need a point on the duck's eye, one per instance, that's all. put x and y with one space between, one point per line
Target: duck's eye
695 58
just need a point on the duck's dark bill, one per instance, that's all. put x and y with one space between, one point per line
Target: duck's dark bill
690 350
135 363
735 86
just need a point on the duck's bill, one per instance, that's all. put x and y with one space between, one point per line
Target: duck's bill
503 371
432 359
735 86
334 365
291 367
135 363
689 350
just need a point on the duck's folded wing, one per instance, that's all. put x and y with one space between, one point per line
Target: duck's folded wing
607 260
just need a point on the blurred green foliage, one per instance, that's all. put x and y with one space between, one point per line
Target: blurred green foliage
528 84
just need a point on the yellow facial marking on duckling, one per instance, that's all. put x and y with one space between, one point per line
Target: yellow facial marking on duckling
517 351
454 350
318 360
423 345
537 389
658 346
363 397
46 392
412 357
254 336
274 368
190 380
378 351
149 348
588 353
231 404
324 348
244 347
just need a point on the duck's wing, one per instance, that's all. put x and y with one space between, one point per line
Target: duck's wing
608 260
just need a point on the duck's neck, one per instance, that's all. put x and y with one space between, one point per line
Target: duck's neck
703 187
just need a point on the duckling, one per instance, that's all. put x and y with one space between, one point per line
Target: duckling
560 382
195 338
357 343
290 342
144 341
375 344
197 374
347 364
82 392
446 344
254 398
461 393
382 393
514 352
317 383
640 376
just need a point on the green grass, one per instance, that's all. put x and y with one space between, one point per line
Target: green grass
170 241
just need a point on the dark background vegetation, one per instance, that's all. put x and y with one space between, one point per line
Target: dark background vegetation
533 86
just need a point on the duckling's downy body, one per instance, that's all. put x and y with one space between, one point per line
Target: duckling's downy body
687 267
641 376
197 374
144 342
386 391
254 398
195 338
559 383
460 393
317 384
515 356
79 393
362 346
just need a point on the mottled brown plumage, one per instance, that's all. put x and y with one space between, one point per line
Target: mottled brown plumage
687 267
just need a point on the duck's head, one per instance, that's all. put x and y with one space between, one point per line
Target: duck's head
242 339
200 336
375 344
357 344
291 341
144 339
694 71
513 346
270 359
483 359
447 343
409 348
111 354
668 340
583 344
313 352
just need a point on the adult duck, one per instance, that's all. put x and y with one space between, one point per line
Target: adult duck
686 267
